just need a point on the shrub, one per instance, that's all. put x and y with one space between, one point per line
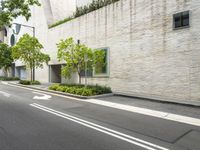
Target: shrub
94 5
54 87
25 82
9 78
28 82
60 22
35 82
87 92
80 89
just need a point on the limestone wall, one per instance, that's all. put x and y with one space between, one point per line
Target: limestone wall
82 2
147 57
62 8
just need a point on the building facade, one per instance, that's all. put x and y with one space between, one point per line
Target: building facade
153 47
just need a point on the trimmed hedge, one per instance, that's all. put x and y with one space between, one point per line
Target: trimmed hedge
9 78
28 82
77 89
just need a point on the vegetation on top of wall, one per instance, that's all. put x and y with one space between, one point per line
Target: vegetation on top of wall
96 4
60 22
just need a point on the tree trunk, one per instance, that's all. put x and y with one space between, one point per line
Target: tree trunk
31 68
31 74
79 75
5 72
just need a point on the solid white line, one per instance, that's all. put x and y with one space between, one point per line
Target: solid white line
111 132
149 112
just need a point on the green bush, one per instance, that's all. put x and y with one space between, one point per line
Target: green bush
28 82
35 82
94 5
25 82
60 22
54 87
79 89
9 78
87 92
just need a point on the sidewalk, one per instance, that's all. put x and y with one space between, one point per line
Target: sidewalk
125 99
185 110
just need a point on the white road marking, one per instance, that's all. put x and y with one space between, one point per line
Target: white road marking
43 97
5 94
149 112
3 82
119 135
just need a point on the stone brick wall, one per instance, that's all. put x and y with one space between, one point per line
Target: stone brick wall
147 57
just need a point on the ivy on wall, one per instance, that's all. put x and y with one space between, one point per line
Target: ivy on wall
96 4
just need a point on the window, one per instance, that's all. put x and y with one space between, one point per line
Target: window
89 73
12 40
103 69
181 20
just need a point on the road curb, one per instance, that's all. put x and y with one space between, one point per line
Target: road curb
161 100
62 93
153 99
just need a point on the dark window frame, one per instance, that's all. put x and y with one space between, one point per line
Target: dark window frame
180 16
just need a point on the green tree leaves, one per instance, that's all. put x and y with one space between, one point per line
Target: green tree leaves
13 8
76 55
28 51
5 57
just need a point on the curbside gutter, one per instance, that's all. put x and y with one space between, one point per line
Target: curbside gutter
142 97
160 99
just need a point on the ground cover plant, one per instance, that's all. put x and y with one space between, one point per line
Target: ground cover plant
28 82
2 78
80 89
94 5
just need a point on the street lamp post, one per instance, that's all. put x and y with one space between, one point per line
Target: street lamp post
33 28
86 60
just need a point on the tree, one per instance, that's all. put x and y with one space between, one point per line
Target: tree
11 9
28 50
76 55
5 58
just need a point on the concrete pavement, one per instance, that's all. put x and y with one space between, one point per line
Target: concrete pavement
50 125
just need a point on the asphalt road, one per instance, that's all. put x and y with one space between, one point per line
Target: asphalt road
32 121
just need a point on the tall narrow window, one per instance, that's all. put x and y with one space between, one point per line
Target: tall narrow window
103 70
181 20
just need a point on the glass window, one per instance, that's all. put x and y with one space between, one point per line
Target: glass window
102 68
181 20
